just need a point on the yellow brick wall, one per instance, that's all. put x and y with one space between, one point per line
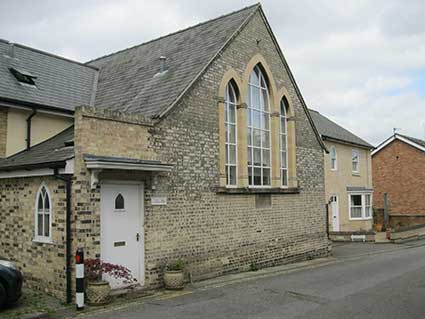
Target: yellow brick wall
3 131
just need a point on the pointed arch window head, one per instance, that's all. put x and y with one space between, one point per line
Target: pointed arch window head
231 134
333 156
119 202
284 107
43 215
258 118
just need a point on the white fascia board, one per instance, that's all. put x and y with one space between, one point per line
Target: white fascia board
397 137
26 173
69 169
420 147
39 110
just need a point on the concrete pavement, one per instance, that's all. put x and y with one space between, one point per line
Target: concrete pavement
362 281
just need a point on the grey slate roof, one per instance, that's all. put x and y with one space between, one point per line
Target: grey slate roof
52 152
329 129
127 80
61 83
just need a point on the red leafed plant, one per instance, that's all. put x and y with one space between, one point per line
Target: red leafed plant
95 268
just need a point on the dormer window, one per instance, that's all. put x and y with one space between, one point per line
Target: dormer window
23 76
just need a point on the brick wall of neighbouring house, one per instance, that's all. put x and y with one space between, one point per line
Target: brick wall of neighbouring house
215 233
3 131
43 265
399 170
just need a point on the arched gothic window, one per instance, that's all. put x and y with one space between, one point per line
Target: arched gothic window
231 135
258 118
284 106
119 202
43 215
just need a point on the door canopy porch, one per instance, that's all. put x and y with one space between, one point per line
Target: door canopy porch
97 164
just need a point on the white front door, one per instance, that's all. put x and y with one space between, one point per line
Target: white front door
122 233
334 213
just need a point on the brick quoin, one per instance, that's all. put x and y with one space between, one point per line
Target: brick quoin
399 170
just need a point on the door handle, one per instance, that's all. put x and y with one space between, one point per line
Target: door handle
137 236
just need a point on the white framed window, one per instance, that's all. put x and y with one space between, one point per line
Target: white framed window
368 205
355 161
258 135
333 156
360 205
284 106
230 123
43 215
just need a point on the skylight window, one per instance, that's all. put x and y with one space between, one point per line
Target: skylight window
23 76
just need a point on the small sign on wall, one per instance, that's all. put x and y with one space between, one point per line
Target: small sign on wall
159 201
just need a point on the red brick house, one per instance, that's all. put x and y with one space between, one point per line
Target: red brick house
398 166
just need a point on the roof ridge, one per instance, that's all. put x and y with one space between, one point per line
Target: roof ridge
174 33
49 54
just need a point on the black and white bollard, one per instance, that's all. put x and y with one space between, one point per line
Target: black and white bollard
79 275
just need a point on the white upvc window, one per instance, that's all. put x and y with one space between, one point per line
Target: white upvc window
284 106
355 161
43 215
230 123
333 156
360 206
258 135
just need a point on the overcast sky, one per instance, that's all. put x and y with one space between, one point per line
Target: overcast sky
359 62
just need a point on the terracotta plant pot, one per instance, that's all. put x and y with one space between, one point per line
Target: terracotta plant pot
97 292
174 280
378 227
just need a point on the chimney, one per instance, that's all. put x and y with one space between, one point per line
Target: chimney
11 52
162 64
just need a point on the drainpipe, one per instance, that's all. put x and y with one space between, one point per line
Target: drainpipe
327 219
29 120
68 256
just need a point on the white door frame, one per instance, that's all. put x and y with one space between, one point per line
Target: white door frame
335 221
141 279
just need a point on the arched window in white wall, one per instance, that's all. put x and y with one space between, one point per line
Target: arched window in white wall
284 106
258 118
43 215
231 135
119 202
333 156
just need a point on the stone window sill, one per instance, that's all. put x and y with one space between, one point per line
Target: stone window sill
41 240
246 190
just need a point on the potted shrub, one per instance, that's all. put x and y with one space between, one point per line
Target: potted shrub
97 289
378 227
174 275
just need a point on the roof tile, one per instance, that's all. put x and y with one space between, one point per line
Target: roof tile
127 80
330 129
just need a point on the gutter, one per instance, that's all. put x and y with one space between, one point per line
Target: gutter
52 165
333 139
68 266
35 105
29 122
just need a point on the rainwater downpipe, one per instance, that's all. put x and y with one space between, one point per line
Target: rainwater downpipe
29 122
68 243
